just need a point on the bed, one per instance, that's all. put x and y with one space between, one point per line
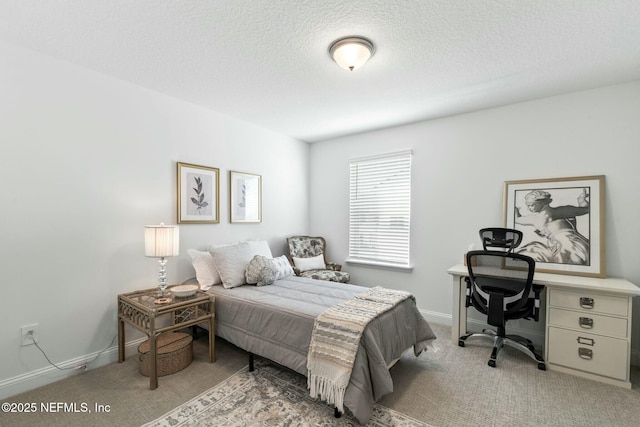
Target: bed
276 322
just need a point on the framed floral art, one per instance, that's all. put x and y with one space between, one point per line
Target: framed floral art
198 194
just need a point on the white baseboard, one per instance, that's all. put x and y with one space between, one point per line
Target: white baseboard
50 374
446 319
435 317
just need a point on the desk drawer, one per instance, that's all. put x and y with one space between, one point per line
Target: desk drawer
591 353
587 301
588 322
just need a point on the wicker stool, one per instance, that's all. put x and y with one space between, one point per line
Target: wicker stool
175 352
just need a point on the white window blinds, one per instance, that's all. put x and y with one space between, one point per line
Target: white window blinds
379 209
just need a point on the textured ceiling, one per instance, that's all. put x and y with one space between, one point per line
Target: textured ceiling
266 61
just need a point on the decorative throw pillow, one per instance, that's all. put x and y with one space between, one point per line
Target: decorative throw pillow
282 267
264 271
206 272
311 263
267 277
254 269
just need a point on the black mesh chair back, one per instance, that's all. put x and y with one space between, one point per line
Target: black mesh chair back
504 294
502 238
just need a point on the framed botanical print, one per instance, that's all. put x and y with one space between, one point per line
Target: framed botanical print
562 221
198 194
245 197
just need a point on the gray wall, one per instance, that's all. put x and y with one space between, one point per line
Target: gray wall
86 161
459 166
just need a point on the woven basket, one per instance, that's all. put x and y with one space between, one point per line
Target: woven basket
175 352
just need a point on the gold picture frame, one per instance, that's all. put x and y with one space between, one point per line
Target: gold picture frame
245 197
198 194
562 221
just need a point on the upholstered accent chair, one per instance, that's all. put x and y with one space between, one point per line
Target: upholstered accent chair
307 256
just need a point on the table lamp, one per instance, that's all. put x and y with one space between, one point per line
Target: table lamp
161 241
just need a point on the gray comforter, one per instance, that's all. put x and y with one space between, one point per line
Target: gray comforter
276 322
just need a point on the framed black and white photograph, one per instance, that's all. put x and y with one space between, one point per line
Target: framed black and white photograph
198 194
245 197
562 221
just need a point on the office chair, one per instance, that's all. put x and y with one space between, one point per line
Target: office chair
499 285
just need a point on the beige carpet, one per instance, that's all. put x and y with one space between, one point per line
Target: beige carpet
270 396
452 387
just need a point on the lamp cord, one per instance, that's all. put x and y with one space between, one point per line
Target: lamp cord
77 366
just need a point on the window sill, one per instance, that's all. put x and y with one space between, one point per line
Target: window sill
380 264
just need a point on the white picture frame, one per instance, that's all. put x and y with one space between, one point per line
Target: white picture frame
245 197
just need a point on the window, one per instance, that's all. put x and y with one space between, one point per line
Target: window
379 210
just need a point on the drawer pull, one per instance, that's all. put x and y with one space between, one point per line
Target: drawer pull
586 341
585 353
586 302
586 322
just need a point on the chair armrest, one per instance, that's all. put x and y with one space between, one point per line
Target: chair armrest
333 266
537 291
468 296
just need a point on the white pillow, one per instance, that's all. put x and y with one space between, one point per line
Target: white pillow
311 263
260 247
257 247
231 263
206 272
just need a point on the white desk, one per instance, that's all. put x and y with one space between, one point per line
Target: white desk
587 324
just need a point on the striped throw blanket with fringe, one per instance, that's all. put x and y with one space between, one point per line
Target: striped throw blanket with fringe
335 339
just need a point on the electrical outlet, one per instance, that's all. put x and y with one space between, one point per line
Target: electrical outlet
29 334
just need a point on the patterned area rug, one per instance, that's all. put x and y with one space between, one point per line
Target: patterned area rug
269 396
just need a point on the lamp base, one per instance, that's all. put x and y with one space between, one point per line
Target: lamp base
162 294
162 279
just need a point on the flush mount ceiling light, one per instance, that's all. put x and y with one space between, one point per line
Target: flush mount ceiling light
351 53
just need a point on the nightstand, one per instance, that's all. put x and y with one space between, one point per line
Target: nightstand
139 310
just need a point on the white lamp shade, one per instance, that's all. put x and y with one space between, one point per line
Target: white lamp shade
161 240
351 53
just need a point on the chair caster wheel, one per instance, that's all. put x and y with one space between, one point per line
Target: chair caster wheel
492 363
460 343
542 366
